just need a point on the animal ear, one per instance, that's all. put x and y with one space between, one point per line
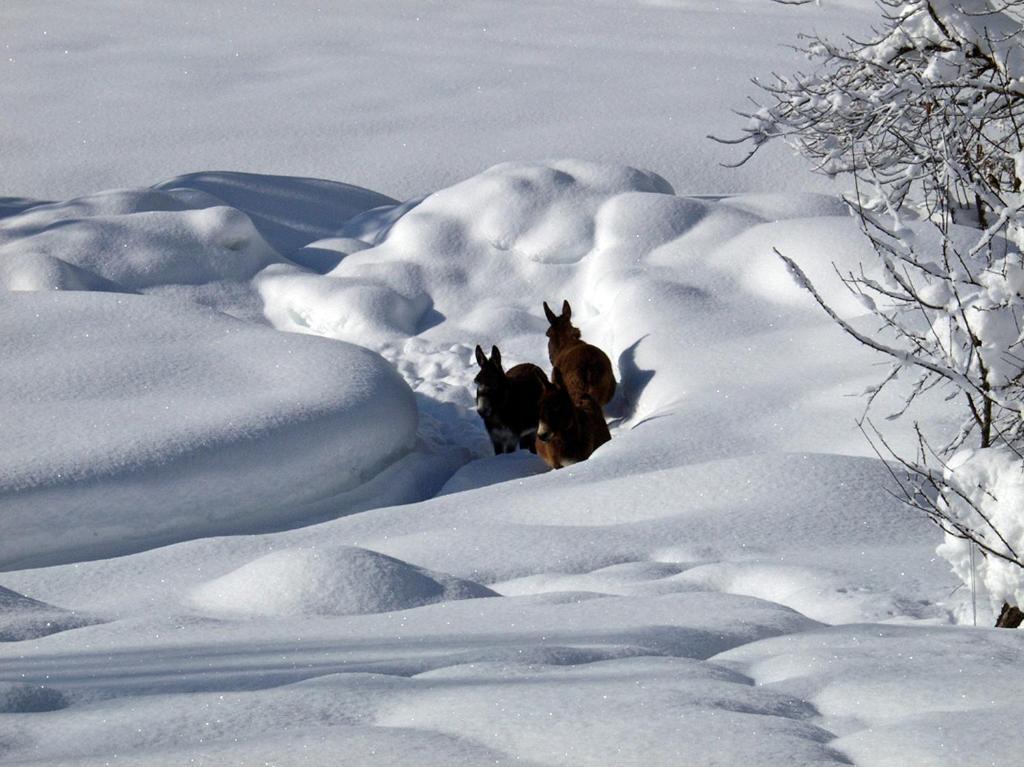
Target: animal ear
549 314
566 310
481 358
496 356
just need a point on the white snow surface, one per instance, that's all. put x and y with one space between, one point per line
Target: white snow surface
334 581
402 96
519 615
247 513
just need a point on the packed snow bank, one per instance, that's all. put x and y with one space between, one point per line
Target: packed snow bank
641 710
681 292
289 212
333 580
487 681
665 284
688 713
130 240
132 421
556 629
899 695
804 531
503 228
200 237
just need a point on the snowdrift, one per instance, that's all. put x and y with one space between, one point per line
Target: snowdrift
344 580
663 283
129 241
132 421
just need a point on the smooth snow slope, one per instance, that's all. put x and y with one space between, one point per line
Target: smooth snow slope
401 96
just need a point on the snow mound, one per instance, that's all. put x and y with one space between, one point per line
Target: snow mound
28 270
134 239
112 202
895 693
133 420
691 713
657 280
289 211
443 255
338 580
191 230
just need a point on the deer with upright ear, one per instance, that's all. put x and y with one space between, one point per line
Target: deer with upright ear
508 402
585 368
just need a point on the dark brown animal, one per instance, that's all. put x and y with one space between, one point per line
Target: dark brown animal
508 402
569 429
585 368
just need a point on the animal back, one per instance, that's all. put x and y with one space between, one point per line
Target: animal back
587 370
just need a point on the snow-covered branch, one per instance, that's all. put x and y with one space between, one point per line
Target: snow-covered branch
926 120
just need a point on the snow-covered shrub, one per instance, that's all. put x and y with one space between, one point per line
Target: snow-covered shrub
926 118
983 492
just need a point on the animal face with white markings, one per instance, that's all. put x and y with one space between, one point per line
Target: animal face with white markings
491 384
507 402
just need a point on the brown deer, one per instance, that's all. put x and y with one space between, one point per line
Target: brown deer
508 402
569 429
585 368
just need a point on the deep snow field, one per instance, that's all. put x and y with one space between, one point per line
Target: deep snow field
248 515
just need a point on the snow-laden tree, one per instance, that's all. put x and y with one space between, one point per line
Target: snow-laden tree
926 118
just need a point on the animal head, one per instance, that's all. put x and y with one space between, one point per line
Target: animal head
556 410
491 383
561 332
